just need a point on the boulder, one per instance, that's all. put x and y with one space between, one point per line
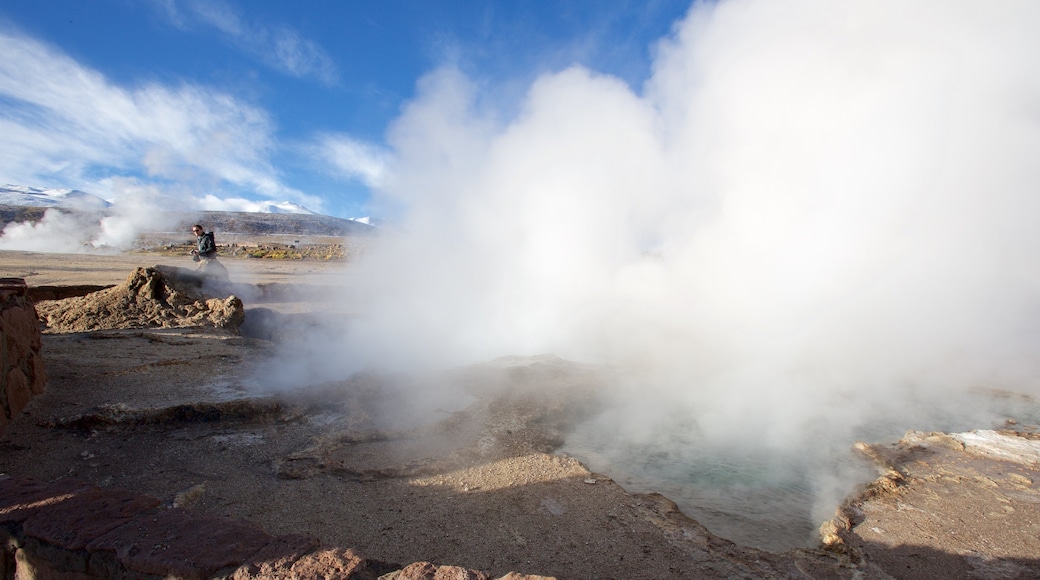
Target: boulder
22 374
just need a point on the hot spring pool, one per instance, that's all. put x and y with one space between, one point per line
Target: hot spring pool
766 498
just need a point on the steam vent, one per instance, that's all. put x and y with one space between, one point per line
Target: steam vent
21 366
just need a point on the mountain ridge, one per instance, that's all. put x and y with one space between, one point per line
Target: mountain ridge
23 195
223 222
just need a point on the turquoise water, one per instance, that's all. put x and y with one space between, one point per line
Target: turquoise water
771 499
762 500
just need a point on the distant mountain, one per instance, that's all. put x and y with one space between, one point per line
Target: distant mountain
21 195
283 207
300 224
19 203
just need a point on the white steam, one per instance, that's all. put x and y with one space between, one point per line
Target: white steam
814 212
139 208
826 194
54 232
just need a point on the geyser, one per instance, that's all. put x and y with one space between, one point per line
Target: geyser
813 216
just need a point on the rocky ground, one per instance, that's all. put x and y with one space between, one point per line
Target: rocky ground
176 413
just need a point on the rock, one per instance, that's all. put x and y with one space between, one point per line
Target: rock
276 559
189 496
428 571
160 296
992 444
22 374
81 518
328 564
75 530
22 498
178 543
960 505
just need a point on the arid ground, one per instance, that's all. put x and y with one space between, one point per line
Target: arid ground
176 413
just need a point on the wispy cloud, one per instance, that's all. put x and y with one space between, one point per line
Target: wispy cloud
67 124
350 158
277 46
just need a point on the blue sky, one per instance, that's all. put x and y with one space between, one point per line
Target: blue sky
217 103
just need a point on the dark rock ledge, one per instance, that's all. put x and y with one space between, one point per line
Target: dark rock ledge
75 530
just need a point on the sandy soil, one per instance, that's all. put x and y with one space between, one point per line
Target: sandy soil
45 269
365 463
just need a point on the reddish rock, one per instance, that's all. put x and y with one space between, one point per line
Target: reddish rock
19 393
21 367
72 530
31 567
177 543
12 288
428 571
328 564
38 373
22 498
74 523
276 559
20 321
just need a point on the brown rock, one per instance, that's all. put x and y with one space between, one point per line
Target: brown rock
182 544
39 374
964 507
428 571
21 368
22 498
11 288
30 566
74 523
19 321
276 559
18 391
328 564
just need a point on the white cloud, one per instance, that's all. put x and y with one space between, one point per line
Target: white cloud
67 123
220 15
351 158
146 147
301 57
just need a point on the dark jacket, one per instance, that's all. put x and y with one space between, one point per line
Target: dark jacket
207 246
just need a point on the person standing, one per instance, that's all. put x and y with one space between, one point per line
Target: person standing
205 252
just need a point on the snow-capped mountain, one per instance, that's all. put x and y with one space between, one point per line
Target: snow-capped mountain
368 221
22 195
282 207
43 197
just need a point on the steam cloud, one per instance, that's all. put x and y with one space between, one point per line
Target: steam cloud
140 209
804 197
814 214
